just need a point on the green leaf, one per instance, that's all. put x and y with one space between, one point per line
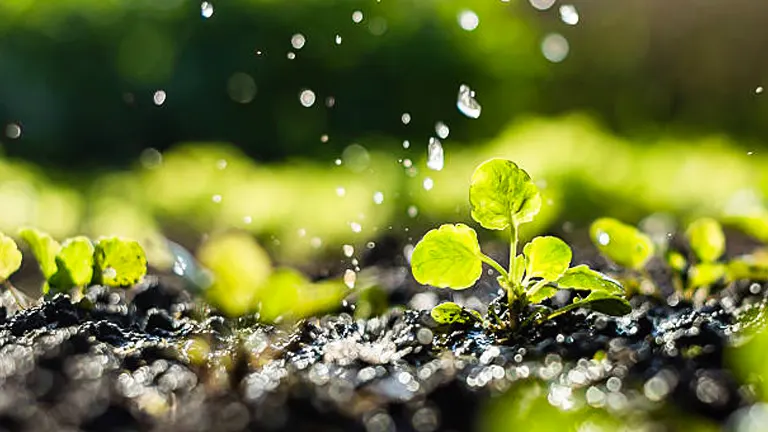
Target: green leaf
543 293
706 238
622 243
451 313
601 301
10 257
43 247
753 267
547 258
119 262
448 257
676 261
287 295
519 268
584 278
74 263
502 195
706 274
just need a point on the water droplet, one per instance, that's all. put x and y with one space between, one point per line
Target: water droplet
428 183
377 26
413 211
241 88
356 158
216 198
150 158
405 118
406 144
348 250
159 97
370 245
307 98
356 227
338 40
13 131
750 153
603 238
206 9
259 52
340 191
109 273
407 163
378 197
330 101
301 232
291 55
357 16
466 102
316 242
324 138
298 40
759 90
569 14
435 155
542 4
221 164
350 277
555 47
468 20
247 219
442 130
337 162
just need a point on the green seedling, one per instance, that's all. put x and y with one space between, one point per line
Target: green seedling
503 197
10 262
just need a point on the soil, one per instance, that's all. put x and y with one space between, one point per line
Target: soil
154 359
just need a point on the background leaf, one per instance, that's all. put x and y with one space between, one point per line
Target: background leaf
706 238
10 257
501 194
543 293
43 247
119 262
287 295
582 277
452 313
601 301
622 243
706 274
448 257
74 264
547 258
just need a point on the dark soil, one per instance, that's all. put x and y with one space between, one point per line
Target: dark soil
152 359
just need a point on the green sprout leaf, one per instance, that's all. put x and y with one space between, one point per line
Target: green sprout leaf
44 248
119 262
601 301
287 295
543 293
74 263
519 268
584 278
448 257
451 313
502 195
622 243
676 260
706 238
10 257
547 258
706 274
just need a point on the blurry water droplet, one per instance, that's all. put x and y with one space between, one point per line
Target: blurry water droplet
406 144
330 101
370 245
307 98
428 183
405 118
298 40
759 90
378 197
338 40
407 163
258 52
221 164
603 238
356 227
750 153
569 14
150 158
159 97
316 242
324 138
357 16
468 20
442 130
350 277
408 252
291 55
206 9
413 211
348 250
542 4
241 88
555 47
466 102
435 156
340 191
356 158
109 273
247 219
301 232
337 162
13 131
216 198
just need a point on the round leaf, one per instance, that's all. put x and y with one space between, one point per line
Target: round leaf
447 257
10 257
501 194
119 262
706 274
43 247
74 263
584 278
706 238
451 313
547 258
622 243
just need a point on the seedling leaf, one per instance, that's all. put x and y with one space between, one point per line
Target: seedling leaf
451 313
547 258
706 238
43 247
584 278
622 243
705 274
10 257
543 293
74 263
448 257
119 262
519 268
601 301
502 194
288 295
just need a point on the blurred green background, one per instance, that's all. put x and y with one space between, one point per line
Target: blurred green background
180 118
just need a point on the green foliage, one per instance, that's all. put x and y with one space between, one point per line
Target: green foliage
43 247
503 196
706 238
623 244
10 257
74 264
119 262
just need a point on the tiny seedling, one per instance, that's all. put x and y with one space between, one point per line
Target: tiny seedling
10 261
626 246
503 197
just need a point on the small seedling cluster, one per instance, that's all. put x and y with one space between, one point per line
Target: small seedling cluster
503 197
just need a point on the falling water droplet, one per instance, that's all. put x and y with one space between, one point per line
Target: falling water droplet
405 118
316 242
357 17
413 211
340 191
350 277
109 273
569 14
378 197
13 131
348 250
442 130
759 90
603 238
555 47
435 156
466 102
206 9
338 39
356 227
324 138
291 55
468 20
298 40
406 144
221 164
307 98
428 183
159 97
542 4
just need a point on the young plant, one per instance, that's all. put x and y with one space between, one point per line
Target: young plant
626 246
503 197
10 261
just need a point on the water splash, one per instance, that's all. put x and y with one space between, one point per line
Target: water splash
435 155
466 102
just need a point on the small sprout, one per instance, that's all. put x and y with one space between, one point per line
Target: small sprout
74 264
706 238
119 262
623 244
448 257
44 248
451 313
502 195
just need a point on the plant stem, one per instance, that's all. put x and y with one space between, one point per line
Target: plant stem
496 266
515 289
536 287
11 289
